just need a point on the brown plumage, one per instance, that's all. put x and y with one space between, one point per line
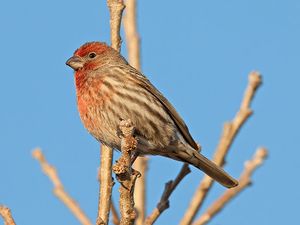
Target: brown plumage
109 90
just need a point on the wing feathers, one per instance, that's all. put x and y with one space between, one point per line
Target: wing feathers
145 83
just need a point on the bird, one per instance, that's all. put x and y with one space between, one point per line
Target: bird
109 89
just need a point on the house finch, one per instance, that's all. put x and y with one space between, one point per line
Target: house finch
108 90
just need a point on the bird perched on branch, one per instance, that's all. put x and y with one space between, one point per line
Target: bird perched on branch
108 90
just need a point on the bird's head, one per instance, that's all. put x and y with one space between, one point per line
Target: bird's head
90 56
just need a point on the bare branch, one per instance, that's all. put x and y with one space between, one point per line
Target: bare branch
164 201
58 190
125 174
116 8
115 214
6 215
132 37
244 181
104 204
106 184
141 165
230 131
133 48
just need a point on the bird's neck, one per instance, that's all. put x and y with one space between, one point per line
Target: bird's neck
80 80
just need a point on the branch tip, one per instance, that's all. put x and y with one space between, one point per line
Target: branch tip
255 79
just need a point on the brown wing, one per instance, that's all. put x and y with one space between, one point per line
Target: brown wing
145 83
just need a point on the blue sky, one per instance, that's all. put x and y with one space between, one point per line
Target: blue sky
199 54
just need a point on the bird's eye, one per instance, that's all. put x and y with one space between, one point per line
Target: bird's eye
92 55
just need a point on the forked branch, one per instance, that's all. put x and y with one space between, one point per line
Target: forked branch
230 131
244 181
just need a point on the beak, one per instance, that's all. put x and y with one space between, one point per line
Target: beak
75 62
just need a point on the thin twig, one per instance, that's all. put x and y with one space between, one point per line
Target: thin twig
115 214
131 34
133 48
164 201
6 215
244 181
230 131
115 8
58 189
141 165
106 184
125 174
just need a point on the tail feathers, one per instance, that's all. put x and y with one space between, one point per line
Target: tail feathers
208 167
